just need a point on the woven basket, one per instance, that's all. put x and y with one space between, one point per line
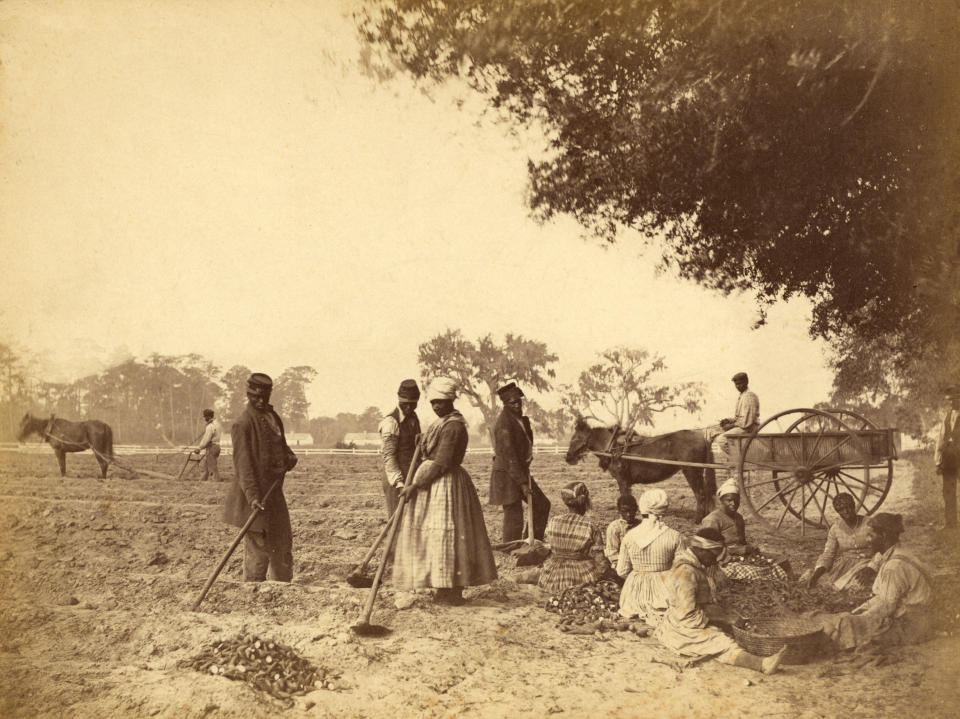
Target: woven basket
801 635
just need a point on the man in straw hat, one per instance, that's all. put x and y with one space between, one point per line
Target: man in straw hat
442 540
510 482
947 458
398 437
261 457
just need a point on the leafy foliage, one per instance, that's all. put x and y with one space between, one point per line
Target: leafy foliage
783 148
623 386
481 367
289 396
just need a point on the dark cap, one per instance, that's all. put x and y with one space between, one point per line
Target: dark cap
259 383
208 414
741 375
886 523
952 391
408 392
510 392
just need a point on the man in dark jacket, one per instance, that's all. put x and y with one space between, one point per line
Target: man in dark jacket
510 483
398 439
260 458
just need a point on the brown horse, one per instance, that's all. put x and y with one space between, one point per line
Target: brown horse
66 436
686 445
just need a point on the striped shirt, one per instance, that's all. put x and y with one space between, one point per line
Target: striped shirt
748 410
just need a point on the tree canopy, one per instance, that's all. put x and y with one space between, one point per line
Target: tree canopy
481 367
781 148
623 387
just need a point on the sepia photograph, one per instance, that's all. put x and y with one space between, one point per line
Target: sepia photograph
591 359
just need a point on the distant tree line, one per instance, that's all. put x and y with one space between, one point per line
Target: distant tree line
154 401
159 400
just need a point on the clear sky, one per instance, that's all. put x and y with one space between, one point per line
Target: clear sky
219 177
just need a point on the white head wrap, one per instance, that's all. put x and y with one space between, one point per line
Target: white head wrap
653 501
704 543
729 487
441 388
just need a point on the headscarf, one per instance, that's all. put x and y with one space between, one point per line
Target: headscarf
729 487
575 495
705 543
653 501
442 388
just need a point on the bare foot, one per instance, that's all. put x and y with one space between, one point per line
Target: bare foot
770 664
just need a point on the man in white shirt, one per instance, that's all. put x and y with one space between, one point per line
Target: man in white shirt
947 458
745 420
211 443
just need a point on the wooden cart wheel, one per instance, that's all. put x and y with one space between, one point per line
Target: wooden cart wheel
876 483
796 461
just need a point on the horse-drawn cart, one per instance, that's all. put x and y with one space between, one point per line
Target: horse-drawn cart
788 469
797 461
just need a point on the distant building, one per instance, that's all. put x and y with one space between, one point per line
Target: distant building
299 439
362 439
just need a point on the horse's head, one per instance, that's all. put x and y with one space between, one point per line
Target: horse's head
579 442
29 425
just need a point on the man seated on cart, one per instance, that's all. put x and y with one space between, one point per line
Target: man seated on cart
745 419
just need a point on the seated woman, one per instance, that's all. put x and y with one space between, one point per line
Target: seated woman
627 507
691 607
728 521
576 544
645 560
849 547
899 610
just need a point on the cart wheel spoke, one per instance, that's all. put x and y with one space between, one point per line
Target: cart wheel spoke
869 487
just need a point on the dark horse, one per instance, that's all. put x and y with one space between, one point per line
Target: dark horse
686 445
66 436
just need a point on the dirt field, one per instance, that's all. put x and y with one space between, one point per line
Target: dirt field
97 577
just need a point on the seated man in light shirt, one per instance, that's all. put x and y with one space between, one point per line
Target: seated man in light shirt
745 420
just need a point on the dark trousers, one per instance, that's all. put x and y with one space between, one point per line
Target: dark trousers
210 464
258 558
513 516
391 494
950 498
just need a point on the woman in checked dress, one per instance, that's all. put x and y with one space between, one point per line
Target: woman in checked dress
576 544
442 541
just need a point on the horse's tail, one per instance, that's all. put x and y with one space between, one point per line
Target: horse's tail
102 445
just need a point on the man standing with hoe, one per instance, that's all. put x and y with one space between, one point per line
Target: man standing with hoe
261 458
398 439
510 483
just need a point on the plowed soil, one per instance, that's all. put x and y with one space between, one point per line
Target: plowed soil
97 578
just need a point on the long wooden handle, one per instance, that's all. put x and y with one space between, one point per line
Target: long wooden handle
226 555
371 597
530 511
393 517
